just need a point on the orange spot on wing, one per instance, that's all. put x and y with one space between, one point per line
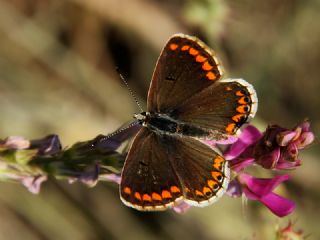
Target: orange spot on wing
198 193
200 58
207 66
127 190
193 51
187 189
156 196
242 109
216 175
229 88
217 162
211 184
219 159
243 100
174 189
230 127
238 117
137 196
146 197
211 76
185 47
239 93
206 190
173 46
166 194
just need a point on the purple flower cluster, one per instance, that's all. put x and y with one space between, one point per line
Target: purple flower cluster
276 148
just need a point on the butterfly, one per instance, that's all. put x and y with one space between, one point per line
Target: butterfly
188 102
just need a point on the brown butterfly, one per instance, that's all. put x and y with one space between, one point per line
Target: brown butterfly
187 102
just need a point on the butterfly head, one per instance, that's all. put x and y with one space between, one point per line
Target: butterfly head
142 117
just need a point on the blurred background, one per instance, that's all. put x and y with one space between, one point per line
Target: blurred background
58 62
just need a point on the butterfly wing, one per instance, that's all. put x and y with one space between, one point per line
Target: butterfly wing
148 180
161 170
185 67
186 85
203 173
222 107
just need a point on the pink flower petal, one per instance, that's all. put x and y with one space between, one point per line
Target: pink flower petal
279 205
306 139
17 142
287 165
261 189
33 183
285 137
111 177
249 135
305 126
270 160
261 186
181 207
238 165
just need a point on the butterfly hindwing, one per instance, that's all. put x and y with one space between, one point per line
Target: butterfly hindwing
203 173
185 66
148 180
161 170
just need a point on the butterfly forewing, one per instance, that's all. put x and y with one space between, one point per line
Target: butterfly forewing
222 107
185 67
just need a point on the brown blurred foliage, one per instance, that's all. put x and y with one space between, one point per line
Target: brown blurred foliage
58 62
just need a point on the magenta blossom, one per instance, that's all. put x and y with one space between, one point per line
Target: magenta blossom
260 189
276 148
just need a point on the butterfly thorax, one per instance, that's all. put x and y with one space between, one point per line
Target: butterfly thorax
164 124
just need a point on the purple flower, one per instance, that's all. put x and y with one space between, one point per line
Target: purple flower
15 142
33 183
112 177
260 189
48 145
88 176
276 148
249 136
181 207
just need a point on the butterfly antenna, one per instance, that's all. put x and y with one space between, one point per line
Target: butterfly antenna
118 131
131 92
